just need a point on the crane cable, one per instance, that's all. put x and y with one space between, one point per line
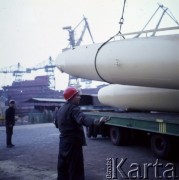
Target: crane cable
103 44
122 16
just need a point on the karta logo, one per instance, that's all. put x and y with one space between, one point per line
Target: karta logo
116 169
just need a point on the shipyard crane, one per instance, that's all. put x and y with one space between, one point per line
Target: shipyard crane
18 71
73 42
15 70
49 69
77 42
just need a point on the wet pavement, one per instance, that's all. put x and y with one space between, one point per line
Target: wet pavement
34 157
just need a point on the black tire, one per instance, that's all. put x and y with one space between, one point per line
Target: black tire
161 146
117 135
104 131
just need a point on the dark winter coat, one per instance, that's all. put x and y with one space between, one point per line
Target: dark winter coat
71 121
10 116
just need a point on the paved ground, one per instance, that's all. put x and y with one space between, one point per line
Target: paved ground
35 157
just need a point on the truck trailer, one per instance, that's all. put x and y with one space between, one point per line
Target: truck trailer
161 128
142 75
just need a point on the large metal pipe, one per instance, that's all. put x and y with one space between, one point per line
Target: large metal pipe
149 62
140 98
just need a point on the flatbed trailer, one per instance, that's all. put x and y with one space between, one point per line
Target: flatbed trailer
161 128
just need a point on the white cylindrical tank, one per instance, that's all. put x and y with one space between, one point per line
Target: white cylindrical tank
149 62
139 98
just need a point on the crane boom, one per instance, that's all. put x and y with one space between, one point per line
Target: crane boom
87 25
81 37
73 41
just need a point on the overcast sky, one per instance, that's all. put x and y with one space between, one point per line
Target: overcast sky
31 30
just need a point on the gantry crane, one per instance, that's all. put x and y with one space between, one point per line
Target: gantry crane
15 70
18 71
49 69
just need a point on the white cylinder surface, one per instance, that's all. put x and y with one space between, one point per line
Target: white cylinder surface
148 62
139 98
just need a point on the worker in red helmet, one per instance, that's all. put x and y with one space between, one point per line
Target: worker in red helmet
70 123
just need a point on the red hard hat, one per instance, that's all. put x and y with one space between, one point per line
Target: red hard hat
69 93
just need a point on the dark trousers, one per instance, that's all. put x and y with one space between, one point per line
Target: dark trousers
9 132
70 162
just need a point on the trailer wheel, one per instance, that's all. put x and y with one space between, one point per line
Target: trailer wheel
116 135
104 131
161 146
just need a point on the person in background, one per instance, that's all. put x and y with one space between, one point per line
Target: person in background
70 123
55 117
10 122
